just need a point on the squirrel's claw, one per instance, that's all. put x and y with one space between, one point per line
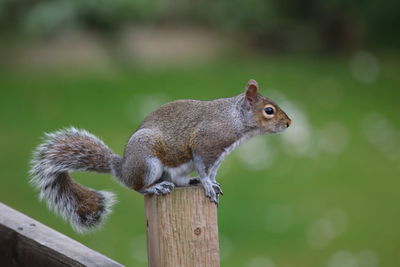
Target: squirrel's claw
217 189
212 191
215 199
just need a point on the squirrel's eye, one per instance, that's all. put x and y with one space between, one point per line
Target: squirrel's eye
269 110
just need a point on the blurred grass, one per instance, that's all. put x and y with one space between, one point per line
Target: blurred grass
361 181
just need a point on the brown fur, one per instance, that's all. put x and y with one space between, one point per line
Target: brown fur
177 131
88 202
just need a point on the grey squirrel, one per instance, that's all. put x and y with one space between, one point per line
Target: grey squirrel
173 141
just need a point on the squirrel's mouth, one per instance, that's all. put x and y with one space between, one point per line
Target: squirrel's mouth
279 128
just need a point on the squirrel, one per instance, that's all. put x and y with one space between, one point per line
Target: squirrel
173 141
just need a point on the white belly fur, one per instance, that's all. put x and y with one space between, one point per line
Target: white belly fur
180 175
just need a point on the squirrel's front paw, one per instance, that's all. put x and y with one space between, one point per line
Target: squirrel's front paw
217 188
212 190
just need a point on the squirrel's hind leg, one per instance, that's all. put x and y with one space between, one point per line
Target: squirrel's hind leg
142 170
154 181
151 177
161 188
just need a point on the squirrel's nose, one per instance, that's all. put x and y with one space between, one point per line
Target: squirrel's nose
288 123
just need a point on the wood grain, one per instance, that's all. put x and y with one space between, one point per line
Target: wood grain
182 229
26 242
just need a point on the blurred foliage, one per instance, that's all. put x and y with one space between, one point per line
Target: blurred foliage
41 17
337 25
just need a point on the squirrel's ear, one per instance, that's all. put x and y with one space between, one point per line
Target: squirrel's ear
251 93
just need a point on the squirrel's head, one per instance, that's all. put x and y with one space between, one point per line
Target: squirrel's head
265 114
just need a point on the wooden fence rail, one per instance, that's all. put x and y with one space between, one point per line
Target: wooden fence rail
26 242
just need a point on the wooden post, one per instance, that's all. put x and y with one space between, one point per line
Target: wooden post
182 229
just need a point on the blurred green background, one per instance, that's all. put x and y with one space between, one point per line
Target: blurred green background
323 193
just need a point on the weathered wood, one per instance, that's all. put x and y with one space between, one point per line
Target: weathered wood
182 229
26 242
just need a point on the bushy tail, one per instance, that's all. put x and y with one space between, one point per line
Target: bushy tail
73 150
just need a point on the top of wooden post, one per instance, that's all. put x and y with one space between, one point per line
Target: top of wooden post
182 229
